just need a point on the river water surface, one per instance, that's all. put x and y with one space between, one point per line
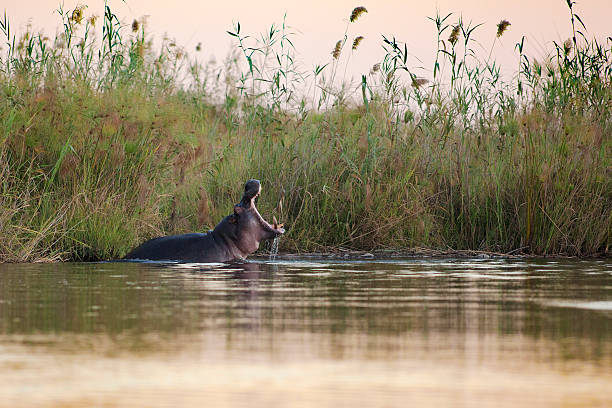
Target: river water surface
308 333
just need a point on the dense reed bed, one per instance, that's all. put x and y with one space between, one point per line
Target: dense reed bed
106 141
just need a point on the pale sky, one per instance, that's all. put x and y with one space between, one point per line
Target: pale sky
319 24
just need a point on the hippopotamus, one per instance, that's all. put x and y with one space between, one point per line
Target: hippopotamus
233 239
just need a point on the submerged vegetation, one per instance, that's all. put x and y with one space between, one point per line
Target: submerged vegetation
107 140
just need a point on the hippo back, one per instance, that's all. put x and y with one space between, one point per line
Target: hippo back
194 247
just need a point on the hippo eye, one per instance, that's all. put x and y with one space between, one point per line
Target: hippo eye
233 218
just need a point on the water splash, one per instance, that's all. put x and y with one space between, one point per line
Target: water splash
274 249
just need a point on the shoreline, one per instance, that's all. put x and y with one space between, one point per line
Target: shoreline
417 253
352 255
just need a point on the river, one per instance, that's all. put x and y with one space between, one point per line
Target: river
308 333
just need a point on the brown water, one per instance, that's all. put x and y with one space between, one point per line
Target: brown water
309 333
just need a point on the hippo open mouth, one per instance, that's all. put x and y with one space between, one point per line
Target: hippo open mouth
234 238
252 190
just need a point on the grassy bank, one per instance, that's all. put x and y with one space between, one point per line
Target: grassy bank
106 141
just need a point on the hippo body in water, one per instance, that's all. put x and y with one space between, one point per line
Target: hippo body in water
234 238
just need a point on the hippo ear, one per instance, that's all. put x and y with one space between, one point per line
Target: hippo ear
238 210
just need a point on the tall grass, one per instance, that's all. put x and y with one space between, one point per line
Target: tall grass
107 141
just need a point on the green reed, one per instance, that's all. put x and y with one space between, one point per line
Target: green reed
107 140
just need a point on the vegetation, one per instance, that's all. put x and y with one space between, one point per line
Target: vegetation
106 141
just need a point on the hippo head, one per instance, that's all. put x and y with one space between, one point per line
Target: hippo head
245 228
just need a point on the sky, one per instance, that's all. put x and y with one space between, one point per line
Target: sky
318 24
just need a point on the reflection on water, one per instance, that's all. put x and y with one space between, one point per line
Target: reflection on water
307 333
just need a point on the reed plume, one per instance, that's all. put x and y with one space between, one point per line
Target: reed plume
418 82
357 41
336 52
357 11
567 46
454 35
77 15
501 27
135 25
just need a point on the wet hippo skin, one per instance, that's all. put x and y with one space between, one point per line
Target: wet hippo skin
234 238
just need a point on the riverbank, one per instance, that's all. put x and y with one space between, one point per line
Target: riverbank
98 155
383 255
